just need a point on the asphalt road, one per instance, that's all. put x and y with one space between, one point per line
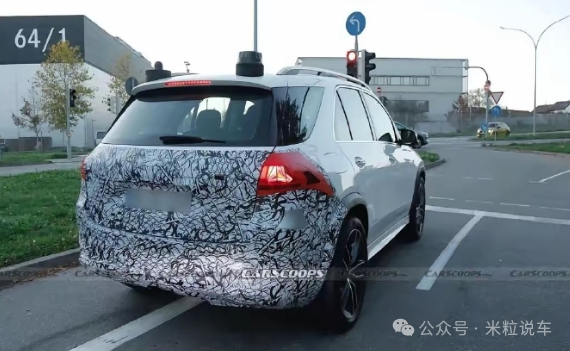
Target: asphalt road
493 216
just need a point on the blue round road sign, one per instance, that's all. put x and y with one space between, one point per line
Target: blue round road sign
355 23
484 127
496 110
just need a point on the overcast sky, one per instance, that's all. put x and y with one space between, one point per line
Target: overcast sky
210 33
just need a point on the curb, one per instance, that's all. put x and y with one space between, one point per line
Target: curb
435 164
38 267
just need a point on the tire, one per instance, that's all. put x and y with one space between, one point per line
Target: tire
414 230
508 133
332 307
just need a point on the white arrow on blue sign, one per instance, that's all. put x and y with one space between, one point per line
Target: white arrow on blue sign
496 111
355 23
484 127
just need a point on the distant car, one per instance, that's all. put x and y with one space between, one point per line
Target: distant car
278 201
423 137
498 128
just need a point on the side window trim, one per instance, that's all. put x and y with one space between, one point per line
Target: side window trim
343 113
368 116
394 128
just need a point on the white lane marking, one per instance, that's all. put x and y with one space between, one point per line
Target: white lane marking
129 331
441 198
485 178
427 282
478 202
466 177
554 176
556 208
498 215
509 204
535 182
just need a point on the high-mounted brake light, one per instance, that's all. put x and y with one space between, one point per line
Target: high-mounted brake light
185 83
290 171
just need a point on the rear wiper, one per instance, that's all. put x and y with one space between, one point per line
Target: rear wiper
186 139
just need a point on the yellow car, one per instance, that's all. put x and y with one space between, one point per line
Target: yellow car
498 128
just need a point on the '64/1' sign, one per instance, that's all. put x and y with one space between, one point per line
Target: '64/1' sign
34 39
27 40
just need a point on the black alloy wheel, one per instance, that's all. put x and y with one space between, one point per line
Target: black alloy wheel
414 230
340 301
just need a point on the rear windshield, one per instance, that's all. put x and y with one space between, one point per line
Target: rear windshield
101 135
219 115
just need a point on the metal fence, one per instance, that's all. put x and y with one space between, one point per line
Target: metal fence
467 124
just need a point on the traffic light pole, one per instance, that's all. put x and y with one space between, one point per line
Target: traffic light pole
67 117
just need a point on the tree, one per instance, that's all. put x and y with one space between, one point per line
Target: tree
64 66
30 116
477 98
116 85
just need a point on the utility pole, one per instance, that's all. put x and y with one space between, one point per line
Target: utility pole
117 104
67 116
255 25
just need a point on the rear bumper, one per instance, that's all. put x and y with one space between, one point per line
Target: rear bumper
212 272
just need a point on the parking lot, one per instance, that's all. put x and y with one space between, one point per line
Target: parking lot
495 245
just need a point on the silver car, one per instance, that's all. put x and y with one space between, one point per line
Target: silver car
252 190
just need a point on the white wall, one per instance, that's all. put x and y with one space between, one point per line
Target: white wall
446 79
14 84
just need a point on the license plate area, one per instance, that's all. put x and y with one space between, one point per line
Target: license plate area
158 200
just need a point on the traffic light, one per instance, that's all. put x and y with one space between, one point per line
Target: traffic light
108 102
72 97
351 62
368 66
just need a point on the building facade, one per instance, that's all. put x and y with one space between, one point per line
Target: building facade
25 41
420 91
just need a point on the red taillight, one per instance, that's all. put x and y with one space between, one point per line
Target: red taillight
82 170
185 83
290 171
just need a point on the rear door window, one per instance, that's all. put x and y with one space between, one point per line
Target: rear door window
230 115
356 114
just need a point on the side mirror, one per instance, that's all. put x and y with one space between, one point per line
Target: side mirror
408 136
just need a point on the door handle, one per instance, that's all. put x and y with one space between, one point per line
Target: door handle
359 162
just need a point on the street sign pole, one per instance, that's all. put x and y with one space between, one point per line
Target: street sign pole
67 117
357 57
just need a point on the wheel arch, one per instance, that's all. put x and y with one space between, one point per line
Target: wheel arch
356 206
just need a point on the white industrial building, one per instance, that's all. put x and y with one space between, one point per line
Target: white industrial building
432 84
19 64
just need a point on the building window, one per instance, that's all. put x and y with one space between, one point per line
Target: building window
400 80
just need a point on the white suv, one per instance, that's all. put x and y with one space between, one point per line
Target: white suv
254 190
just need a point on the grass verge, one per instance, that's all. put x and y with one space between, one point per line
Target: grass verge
428 157
562 148
564 135
37 215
